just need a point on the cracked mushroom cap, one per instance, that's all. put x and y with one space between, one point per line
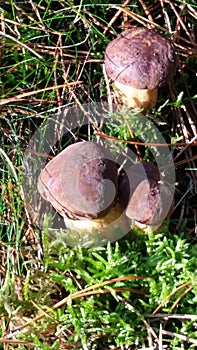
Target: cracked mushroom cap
81 181
141 58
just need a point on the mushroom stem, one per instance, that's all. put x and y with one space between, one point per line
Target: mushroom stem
137 98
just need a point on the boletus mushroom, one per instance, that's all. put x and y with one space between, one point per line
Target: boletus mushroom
149 200
81 184
139 61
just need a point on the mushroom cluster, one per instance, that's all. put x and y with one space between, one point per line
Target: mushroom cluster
139 61
83 185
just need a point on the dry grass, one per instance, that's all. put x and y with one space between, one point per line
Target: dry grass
51 58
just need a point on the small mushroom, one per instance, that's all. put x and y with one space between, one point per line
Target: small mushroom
149 200
81 184
139 61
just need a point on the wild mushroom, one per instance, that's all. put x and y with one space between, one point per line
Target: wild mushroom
139 61
81 184
149 201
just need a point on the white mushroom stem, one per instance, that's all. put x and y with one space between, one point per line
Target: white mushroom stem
137 98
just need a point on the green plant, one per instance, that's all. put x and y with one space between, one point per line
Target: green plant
121 296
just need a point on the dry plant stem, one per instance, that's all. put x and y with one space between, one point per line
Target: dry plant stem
186 146
47 48
109 97
191 11
140 19
45 313
190 51
15 341
119 150
35 9
131 308
115 17
4 155
181 215
125 17
30 18
180 123
191 122
18 24
185 161
102 134
133 137
188 284
21 44
79 294
167 20
3 31
180 336
174 316
177 31
31 93
177 300
160 338
65 69
84 111
180 297
179 18
80 72
56 59
183 209
146 10
98 23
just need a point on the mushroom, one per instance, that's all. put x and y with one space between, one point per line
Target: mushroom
149 201
139 61
81 184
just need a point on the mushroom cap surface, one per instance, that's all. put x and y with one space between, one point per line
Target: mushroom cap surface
145 205
131 178
81 181
141 58
147 200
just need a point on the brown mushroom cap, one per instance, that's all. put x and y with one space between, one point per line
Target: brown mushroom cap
141 58
81 181
130 179
147 201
